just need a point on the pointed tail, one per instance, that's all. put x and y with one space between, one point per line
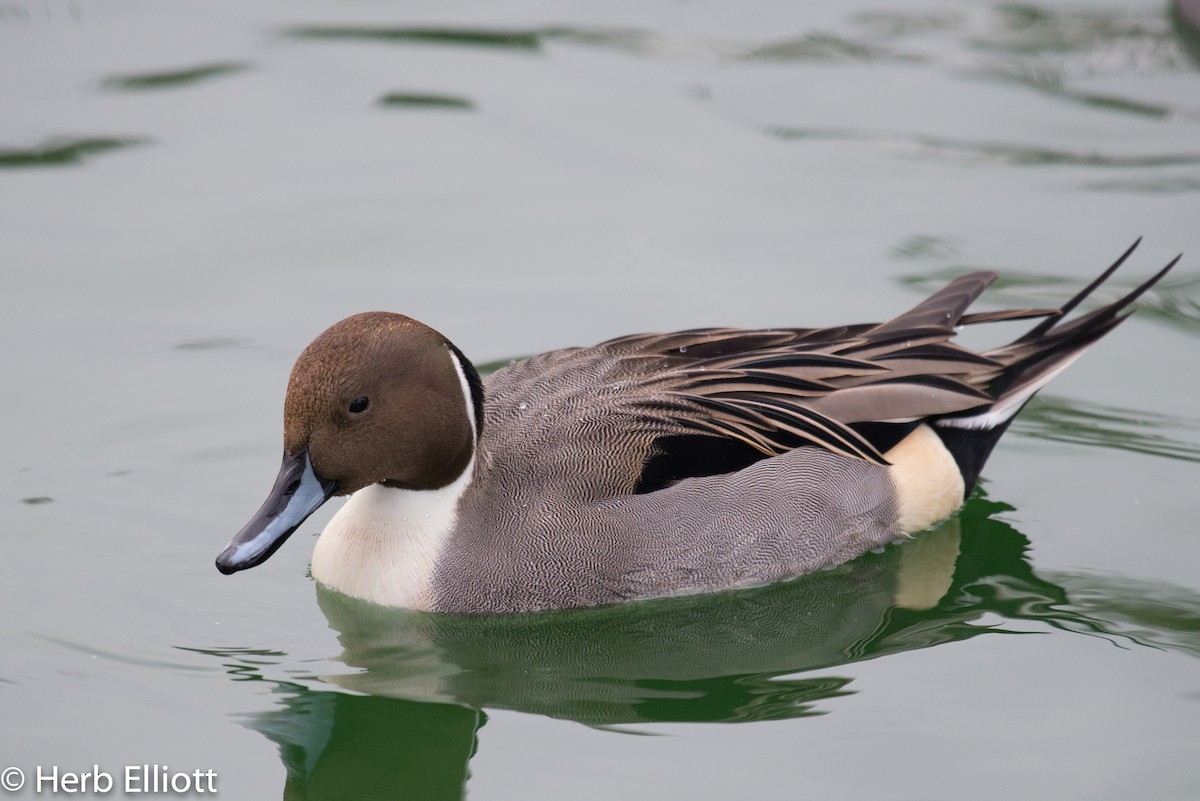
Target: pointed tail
1030 362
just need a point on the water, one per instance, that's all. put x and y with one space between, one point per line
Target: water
189 192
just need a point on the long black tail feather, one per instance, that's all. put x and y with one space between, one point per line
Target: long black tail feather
1030 362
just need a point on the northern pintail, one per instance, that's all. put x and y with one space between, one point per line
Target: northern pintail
649 465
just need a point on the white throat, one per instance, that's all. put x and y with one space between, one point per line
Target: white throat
383 544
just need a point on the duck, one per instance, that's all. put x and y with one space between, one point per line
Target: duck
649 465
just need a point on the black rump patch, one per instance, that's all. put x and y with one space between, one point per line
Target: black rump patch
885 436
691 456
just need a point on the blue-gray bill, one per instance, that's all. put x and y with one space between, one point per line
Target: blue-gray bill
298 492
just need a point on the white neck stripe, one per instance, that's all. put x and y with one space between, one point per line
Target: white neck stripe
468 394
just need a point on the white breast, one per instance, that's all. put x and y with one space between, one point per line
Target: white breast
383 545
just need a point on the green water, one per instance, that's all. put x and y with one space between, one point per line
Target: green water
190 191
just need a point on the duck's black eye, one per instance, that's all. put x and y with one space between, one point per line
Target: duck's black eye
359 404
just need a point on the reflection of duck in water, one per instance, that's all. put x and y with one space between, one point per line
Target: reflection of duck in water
409 729
714 658
647 466
697 658
721 658
425 679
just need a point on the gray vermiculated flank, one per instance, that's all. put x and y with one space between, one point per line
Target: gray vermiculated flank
548 521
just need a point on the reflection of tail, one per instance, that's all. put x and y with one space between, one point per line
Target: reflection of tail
1028 364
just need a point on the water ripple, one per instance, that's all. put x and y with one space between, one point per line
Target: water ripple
1046 49
62 151
1050 417
815 46
1153 613
1050 80
1017 41
924 246
172 78
902 24
823 47
1001 153
528 40
213 343
1092 40
1163 185
1107 36
415 100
